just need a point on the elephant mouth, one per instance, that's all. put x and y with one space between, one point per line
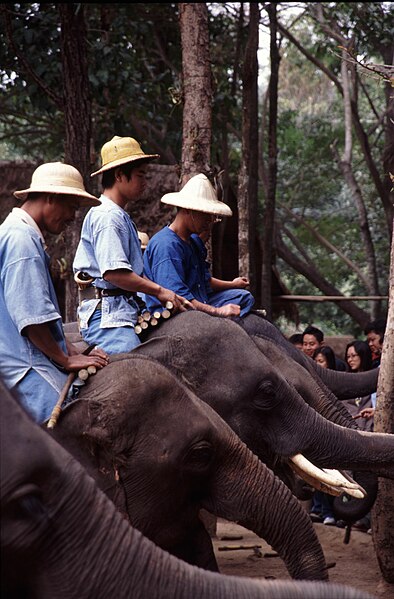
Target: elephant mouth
332 482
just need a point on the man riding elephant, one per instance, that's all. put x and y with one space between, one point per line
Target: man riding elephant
174 255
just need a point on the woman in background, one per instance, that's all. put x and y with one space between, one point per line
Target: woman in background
321 510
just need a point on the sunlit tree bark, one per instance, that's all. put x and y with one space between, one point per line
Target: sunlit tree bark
383 510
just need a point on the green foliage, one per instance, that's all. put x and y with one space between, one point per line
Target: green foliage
135 79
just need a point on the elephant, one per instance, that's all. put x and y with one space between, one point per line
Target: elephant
222 364
62 537
161 455
344 385
317 395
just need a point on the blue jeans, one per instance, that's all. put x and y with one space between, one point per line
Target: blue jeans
115 340
242 297
322 504
36 395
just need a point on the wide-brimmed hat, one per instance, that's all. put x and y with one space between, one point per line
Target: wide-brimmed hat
144 238
58 178
198 194
120 150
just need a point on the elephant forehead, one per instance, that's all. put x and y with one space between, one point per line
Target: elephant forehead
139 391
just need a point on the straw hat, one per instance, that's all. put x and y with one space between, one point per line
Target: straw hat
198 194
56 177
144 238
120 150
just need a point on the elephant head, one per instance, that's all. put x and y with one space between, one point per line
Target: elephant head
162 455
61 536
222 364
344 385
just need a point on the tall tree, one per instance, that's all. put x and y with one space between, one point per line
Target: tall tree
78 121
197 90
269 209
248 175
383 510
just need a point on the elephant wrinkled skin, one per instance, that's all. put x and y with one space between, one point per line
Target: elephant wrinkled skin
61 537
223 365
161 454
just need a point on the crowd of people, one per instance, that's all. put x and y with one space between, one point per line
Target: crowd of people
127 273
360 355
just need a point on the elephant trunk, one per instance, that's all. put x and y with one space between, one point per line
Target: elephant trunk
249 493
118 556
331 446
346 385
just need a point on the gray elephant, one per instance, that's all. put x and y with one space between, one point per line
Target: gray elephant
62 537
161 454
318 396
222 364
342 384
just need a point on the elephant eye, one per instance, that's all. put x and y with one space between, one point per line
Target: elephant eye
265 397
199 455
26 503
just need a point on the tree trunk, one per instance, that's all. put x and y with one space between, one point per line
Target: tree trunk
77 115
197 90
247 182
383 510
269 212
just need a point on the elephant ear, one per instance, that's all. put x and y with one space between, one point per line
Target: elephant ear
79 431
175 354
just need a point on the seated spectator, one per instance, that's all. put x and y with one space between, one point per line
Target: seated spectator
296 340
358 355
322 503
312 339
375 335
325 356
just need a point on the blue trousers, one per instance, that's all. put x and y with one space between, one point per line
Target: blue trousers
242 297
36 395
115 340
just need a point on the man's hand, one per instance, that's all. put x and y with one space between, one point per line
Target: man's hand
41 336
240 282
180 304
96 358
228 310
367 413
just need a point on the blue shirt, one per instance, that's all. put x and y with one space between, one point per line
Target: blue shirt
177 265
109 241
27 297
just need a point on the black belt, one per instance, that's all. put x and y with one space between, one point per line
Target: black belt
97 293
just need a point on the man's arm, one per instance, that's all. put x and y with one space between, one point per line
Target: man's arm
224 311
40 335
237 283
130 281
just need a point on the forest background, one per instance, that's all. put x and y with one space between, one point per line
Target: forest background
301 133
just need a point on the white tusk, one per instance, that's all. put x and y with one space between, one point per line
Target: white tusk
335 481
348 481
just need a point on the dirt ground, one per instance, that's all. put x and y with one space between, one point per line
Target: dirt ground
353 564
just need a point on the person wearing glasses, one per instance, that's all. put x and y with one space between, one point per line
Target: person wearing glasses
175 257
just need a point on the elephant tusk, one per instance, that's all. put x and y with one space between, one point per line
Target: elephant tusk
335 481
350 483
315 483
